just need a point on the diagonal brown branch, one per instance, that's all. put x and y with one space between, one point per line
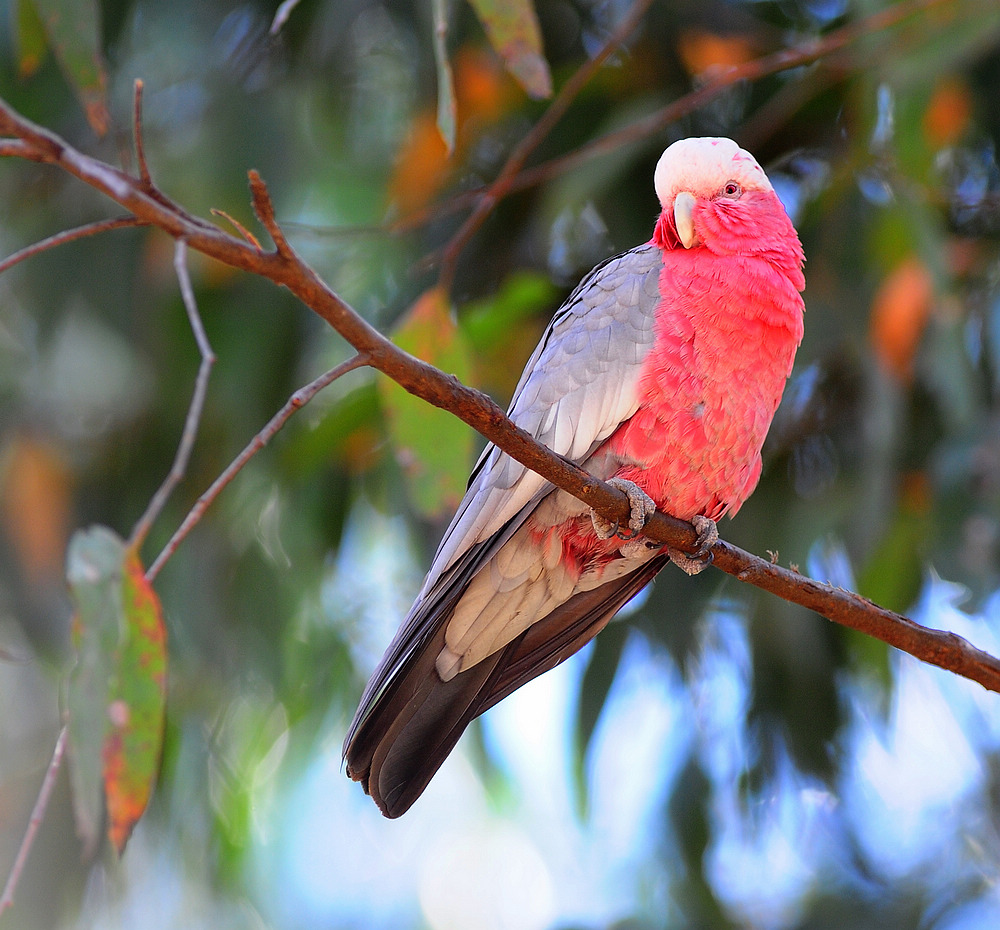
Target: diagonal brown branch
285 268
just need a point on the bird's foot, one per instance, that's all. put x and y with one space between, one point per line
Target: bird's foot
641 508
701 558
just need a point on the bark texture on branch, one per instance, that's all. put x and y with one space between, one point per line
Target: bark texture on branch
283 266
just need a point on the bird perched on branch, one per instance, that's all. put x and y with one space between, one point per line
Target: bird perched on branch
660 374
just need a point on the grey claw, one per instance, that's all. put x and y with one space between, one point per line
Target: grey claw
702 557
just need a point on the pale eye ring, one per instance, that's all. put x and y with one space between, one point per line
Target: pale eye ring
732 189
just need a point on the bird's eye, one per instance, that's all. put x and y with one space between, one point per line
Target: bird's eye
732 189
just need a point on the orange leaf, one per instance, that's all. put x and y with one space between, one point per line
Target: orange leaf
422 166
701 50
948 113
484 91
900 312
35 500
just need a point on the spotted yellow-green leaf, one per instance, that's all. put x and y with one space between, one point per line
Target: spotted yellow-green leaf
134 741
512 28
117 688
434 448
73 28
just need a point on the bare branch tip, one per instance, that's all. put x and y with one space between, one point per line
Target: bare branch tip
264 208
140 149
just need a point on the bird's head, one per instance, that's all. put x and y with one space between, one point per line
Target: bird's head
714 195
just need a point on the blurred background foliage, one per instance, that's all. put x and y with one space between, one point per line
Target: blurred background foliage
718 758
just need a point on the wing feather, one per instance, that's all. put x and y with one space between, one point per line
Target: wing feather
577 388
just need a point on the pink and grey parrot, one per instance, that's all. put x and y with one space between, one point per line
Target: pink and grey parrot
660 373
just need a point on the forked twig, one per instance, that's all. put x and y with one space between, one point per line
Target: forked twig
183 454
264 209
298 400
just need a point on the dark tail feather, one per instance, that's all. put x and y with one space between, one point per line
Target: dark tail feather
395 751
413 724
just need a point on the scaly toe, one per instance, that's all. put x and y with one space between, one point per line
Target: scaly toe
701 558
688 565
708 536
641 507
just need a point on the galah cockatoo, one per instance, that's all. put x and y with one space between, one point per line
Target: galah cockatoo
660 373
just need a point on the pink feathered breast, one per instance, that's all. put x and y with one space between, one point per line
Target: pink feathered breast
728 325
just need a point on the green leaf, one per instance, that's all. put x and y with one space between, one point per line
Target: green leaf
94 573
73 28
29 38
512 28
116 690
446 86
491 320
434 448
504 329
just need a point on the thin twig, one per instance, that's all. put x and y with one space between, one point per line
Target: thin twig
140 148
496 191
37 815
239 227
193 418
298 400
281 16
70 235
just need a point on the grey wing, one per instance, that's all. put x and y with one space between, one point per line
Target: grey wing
577 388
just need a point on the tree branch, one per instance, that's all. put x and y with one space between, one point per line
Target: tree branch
70 235
298 400
35 821
193 418
712 85
495 192
284 267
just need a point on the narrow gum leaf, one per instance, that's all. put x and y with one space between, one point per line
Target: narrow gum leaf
116 692
446 86
29 38
512 28
73 28
136 707
94 572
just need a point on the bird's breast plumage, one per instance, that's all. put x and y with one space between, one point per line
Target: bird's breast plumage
727 328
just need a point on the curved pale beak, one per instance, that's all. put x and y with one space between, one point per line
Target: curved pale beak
684 219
